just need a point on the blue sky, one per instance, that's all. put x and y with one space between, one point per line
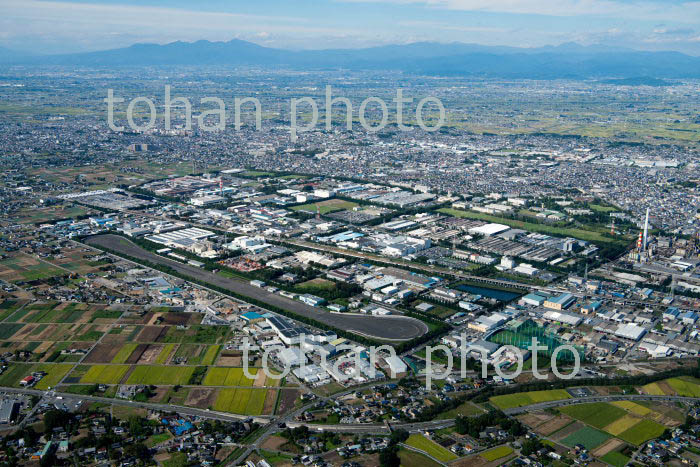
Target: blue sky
83 25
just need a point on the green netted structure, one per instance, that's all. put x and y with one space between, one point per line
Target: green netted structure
519 333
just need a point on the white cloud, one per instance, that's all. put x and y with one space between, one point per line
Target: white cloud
685 12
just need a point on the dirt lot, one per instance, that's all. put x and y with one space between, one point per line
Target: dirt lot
609 445
102 353
228 361
202 398
270 399
150 354
136 354
151 333
287 399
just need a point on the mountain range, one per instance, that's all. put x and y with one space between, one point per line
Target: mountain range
566 61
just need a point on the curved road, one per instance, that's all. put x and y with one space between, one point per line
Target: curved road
397 328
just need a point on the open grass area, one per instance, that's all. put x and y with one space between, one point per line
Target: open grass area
588 437
104 374
519 399
497 453
160 375
245 401
466 410
431 448
588 235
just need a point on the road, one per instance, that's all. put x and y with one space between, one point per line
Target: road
395 328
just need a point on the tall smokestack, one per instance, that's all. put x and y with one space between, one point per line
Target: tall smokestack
646 231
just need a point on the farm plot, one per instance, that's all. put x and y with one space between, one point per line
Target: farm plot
7 330
597 414
55 373
123 354
104 374
431 448
588 437
221 376
21 267
642 432
8 307
160 375
151 333
685 386
165 354
520 399
103 353
243 401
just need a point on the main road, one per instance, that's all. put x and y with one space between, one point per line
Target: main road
393 327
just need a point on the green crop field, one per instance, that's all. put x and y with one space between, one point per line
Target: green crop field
123 354
616 459
104 374
415 459
8 330
165 353
685 386
160 375
643 431
222 376
589 437
55 373
244 401
497 453
431 448
211 354
520 399
597 414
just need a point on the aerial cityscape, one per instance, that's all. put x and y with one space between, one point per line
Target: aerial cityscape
231 238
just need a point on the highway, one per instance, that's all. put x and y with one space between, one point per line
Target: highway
393 328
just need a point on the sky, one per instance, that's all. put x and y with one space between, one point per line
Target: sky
50 27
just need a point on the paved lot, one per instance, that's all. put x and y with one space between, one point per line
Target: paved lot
381 327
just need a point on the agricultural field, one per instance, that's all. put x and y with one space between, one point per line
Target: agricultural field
431 448
626 420
124 353
589 437
221 376
245 401
520 399
8 307
17 371
22 267
685 386
415 459
104 374
160 375
326 207
497 453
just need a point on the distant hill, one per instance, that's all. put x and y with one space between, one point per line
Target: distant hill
455 59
